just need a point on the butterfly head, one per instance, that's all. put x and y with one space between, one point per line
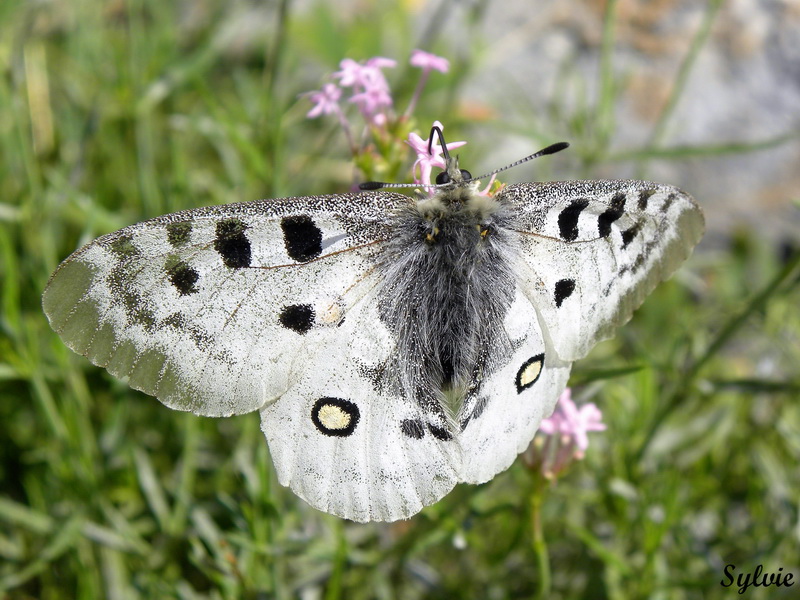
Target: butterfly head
453 177
452 174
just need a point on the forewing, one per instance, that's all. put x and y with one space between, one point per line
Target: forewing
345 440
205 309
592 251
502 419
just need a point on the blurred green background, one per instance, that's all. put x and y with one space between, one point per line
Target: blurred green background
116 111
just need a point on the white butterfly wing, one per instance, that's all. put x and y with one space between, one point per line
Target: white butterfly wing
501 421
345 441
275 305
205 309
593 250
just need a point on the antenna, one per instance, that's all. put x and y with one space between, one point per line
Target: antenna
438 132
551 149
376 185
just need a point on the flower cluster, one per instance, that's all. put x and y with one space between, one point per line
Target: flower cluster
384 131
564 439
370 89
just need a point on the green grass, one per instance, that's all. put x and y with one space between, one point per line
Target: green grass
114 112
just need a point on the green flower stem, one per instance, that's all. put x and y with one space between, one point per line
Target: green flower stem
539 543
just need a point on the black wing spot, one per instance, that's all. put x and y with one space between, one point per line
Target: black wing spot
297 317
178 233
480 406
335 417
613 213
529 372
629 234
183 277
668 202
644 196
413 428
124 247
138 310
302 237
440 433
232 244
637 263
568 219
564 289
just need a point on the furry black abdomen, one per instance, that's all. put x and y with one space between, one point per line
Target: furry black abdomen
447 288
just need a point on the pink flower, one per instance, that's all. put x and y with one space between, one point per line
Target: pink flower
379 62
426 161
372 102
350 74
364 84
366 76
370 88
326 101
564 440
429 62
573 423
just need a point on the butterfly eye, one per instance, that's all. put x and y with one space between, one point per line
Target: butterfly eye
443 177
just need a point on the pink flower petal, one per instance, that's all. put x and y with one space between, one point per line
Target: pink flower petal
550 425
325 101
379 62
429 62
350 73
572 422
426 161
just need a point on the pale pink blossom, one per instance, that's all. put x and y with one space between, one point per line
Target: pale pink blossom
379 62
573 423
427 161
326 101
565 438
364 84
350 74
429 62
366 76
486 191
372 102
370 89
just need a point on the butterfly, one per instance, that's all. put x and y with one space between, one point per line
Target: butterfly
394 346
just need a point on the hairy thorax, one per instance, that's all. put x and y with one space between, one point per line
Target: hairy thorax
449 286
